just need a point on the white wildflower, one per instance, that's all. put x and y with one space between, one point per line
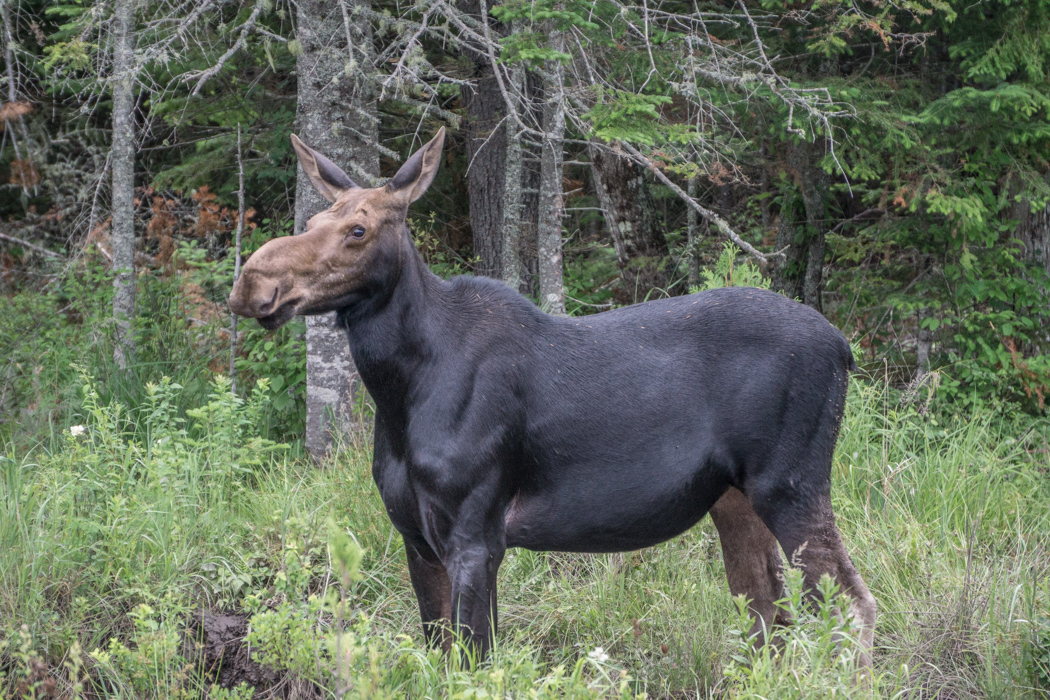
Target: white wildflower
598 655
77 430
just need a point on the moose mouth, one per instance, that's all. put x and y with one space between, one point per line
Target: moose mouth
278 318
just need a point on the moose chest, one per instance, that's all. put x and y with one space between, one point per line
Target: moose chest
449 462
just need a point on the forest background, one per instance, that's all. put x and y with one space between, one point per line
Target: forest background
884 163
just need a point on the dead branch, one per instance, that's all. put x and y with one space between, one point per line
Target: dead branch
30 246
242 38
712 217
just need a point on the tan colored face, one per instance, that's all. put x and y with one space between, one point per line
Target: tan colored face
351 244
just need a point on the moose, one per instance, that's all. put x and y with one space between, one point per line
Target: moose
498 425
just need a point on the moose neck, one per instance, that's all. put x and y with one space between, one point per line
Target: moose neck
389 329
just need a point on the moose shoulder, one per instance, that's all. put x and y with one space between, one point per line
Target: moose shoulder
499 426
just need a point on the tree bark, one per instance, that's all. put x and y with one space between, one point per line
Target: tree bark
551 198
799 274
532 155
814 185
513 197
789 270
336 115
486 158
641 249
1033 232
123 183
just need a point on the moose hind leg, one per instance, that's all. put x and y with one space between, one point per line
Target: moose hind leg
433 590
752 560
813 542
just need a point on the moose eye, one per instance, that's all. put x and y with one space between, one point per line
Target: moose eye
357 232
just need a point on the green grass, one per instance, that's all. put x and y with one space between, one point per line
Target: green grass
111 539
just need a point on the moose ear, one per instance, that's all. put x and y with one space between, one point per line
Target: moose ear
327 178
418 172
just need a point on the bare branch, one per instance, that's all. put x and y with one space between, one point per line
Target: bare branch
30 246
712 217
203 76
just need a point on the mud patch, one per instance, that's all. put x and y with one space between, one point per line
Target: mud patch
215 641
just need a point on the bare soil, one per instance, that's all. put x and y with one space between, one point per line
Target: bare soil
216 643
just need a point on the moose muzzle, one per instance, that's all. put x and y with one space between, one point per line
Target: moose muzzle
264 298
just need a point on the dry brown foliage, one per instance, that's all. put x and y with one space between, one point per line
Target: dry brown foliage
24 174
9 111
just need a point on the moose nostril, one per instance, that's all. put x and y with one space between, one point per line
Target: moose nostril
268 306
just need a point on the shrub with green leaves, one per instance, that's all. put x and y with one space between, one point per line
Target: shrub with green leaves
728 273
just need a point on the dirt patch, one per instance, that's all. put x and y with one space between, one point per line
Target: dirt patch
216 642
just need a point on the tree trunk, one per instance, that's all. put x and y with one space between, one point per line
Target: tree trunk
528 284
1033 232
123 184
486 159
814 183
336 115
551 199
641 249
788 272
800 274
532 155
513 197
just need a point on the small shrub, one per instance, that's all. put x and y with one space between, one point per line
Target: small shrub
727 273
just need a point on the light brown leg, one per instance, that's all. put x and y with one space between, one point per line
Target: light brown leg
816 545
752 560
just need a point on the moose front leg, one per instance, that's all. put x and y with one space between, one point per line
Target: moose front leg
472 570
433 592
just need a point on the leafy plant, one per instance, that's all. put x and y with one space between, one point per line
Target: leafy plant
816 656
728 273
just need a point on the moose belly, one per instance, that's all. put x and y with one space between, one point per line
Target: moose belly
612 509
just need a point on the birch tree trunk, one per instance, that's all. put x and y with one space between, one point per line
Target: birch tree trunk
336 115
552 202
641 249
123 183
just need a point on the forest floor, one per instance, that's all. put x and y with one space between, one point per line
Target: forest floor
137 551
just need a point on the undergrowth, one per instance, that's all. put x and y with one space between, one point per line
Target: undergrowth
115 535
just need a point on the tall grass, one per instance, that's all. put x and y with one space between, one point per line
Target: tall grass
111 539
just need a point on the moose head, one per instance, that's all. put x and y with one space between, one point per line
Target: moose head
347 252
